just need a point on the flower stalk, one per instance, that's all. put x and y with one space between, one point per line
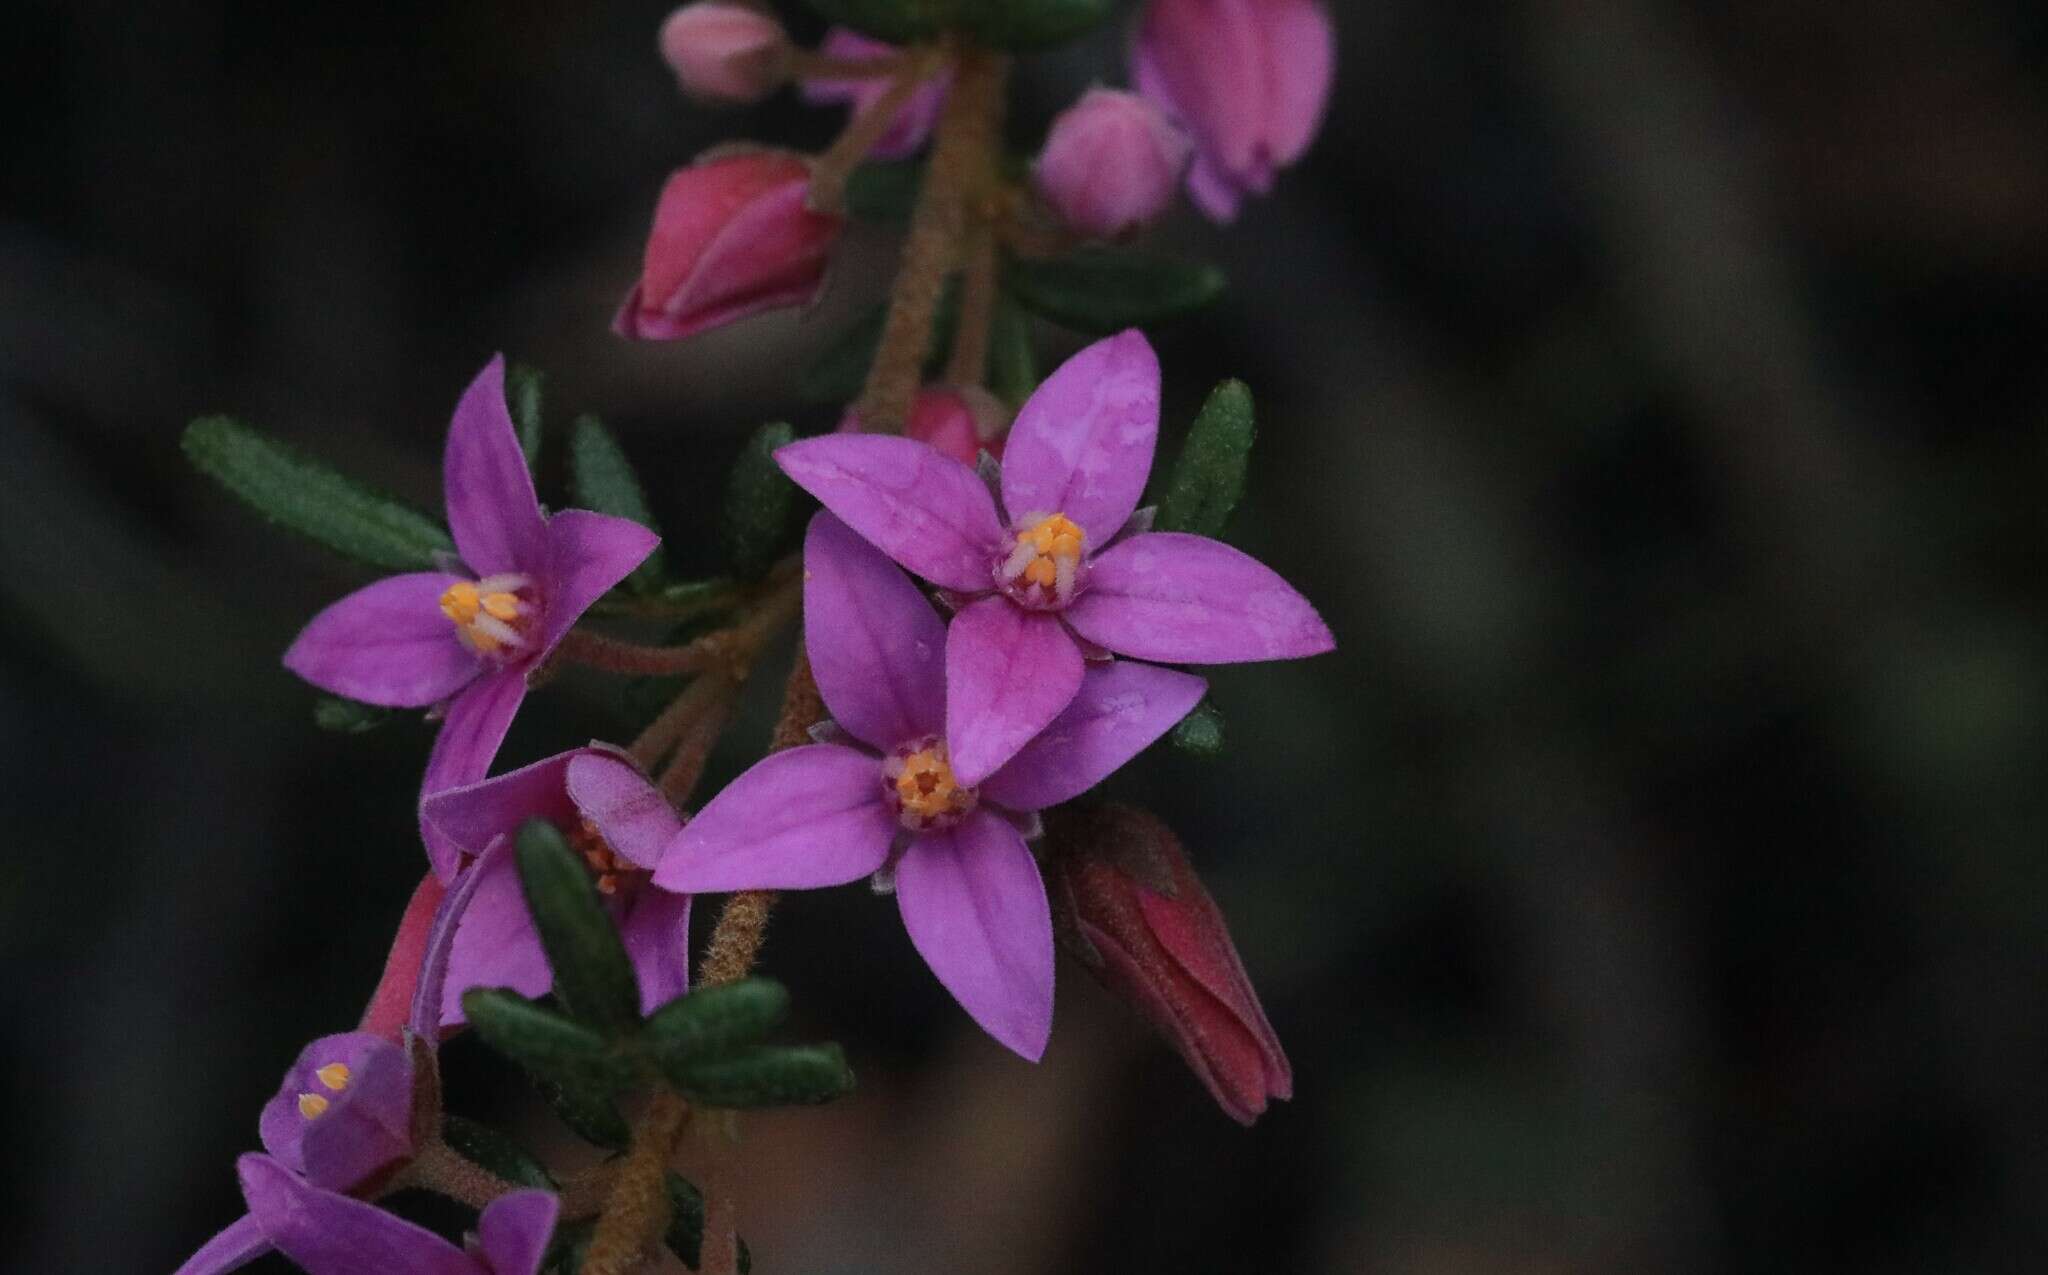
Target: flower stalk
638 1208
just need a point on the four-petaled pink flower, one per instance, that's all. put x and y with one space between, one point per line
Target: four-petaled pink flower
466 638
615 819
914 122
1057 572
830 813
331 1234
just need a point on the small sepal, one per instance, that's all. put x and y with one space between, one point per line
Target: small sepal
594 980
1101 291
759 502
347 716
602 479
1200 732
1208 479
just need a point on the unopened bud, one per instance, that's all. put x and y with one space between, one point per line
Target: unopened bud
1111 164
961 421
723 52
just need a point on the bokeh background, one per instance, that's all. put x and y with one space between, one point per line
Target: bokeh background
1652 396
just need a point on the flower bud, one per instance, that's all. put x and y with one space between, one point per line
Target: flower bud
724 52
961 421
1128 905
344 1112
732 237
1111 164
914 123
1248 78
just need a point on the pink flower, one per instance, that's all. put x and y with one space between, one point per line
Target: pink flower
960 421
914 123
615 819
464 638
1249 78
327 1233
1126 903
1111 164
1062 571
823 815
725 52
732 237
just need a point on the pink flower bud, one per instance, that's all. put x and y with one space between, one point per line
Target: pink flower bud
732 237
1111 164
961 421
914 123
725 52
1249 78
1126 903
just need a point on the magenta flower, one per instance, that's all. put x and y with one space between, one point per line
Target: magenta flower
831 813
615 819
341 1121
1249 78
1060 572
465 638
331 1234
914 123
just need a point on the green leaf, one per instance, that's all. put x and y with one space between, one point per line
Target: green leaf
767 1076
523 386
759 499
296 492
1014 25
884 190
484 1146
1012 359
1208 479
347 716
591 1115
602 479
1099 291
685 1234
544 1042
714 1020
1200 732
593 978
838 375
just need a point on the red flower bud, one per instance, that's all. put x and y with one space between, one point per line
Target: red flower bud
732 237
961 421
723 52
1128 905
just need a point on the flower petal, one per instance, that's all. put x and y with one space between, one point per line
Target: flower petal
803 818
1121 708
629 812
398 986
1185 599
495 944
489 491
473 816
1009 672
975 907
386 643
369 1128
1083 443
876 646
330 1234
241 1242
514 1230
587 554
474 727
656 932
1301 58
427 1014
924 509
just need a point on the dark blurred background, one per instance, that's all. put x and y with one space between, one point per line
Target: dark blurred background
1651 396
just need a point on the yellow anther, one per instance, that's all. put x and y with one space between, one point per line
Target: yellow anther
1047 555
334 1076
926 786
312 1106
503 606
461 602
489 613
1043 572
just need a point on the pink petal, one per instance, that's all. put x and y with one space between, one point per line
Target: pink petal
398 986
1209 55
656 932
807 817
1301 54
629 812
1216 195
474 727
924 509
428 1013
913 125
587 555
975 907
1082 444
330 1234
1185 599
1121 709
491 506
473 816
239 1244
1009 672
875 644
495 944
367 1129
386 643
514 1231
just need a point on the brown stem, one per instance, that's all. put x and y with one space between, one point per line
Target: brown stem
698 739
638 1208
961 157
736 649
614 655
978 290
831 170
807 65
436 1167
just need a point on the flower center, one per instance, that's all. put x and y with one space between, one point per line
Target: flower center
1044 566
334 1077
492 615
918 778
612 870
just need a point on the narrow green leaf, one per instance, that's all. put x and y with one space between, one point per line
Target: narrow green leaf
767 1076
593 979
487 1147
523 389
1099 291
544 1042
1208 479
296 492
884 190
602 479
347 716
714 1020
685 1234
838 375
1012 359
1200 732
590 1114
759 499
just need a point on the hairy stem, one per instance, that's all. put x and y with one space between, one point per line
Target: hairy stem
638 1208
831 170
978 292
